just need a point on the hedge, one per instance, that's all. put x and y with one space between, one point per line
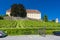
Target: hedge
16 31
20 31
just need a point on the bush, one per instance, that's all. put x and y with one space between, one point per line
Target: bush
27 31
6 15
1 17
20 31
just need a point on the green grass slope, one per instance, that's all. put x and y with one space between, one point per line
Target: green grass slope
21 27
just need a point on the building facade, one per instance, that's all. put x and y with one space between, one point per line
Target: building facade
34 14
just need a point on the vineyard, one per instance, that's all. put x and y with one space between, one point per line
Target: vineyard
7 24
20 27
26 24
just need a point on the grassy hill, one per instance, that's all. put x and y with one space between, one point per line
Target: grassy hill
20 27
26 23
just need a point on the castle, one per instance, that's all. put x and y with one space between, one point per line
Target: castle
34 14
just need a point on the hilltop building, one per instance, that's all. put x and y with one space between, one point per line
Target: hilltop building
34 14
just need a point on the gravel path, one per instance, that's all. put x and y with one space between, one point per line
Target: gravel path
31 37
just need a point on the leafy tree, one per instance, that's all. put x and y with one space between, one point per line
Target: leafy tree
1 18
18 10
45 18
53 20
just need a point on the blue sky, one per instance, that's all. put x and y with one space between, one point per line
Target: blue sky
49 7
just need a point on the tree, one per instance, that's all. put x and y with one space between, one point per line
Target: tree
18 10
45 18
13 10
53 20
1 18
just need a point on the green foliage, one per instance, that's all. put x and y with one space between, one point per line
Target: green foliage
7 24
28 31
53 20
18 10
1 18
26 24
26 27
45 18
20 31
6 15
29 23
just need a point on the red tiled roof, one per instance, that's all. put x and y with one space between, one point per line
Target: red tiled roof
28 11
32 11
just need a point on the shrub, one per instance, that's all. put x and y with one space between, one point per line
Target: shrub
1 17
20 31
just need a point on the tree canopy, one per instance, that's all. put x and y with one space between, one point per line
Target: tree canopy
45 18
18 10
